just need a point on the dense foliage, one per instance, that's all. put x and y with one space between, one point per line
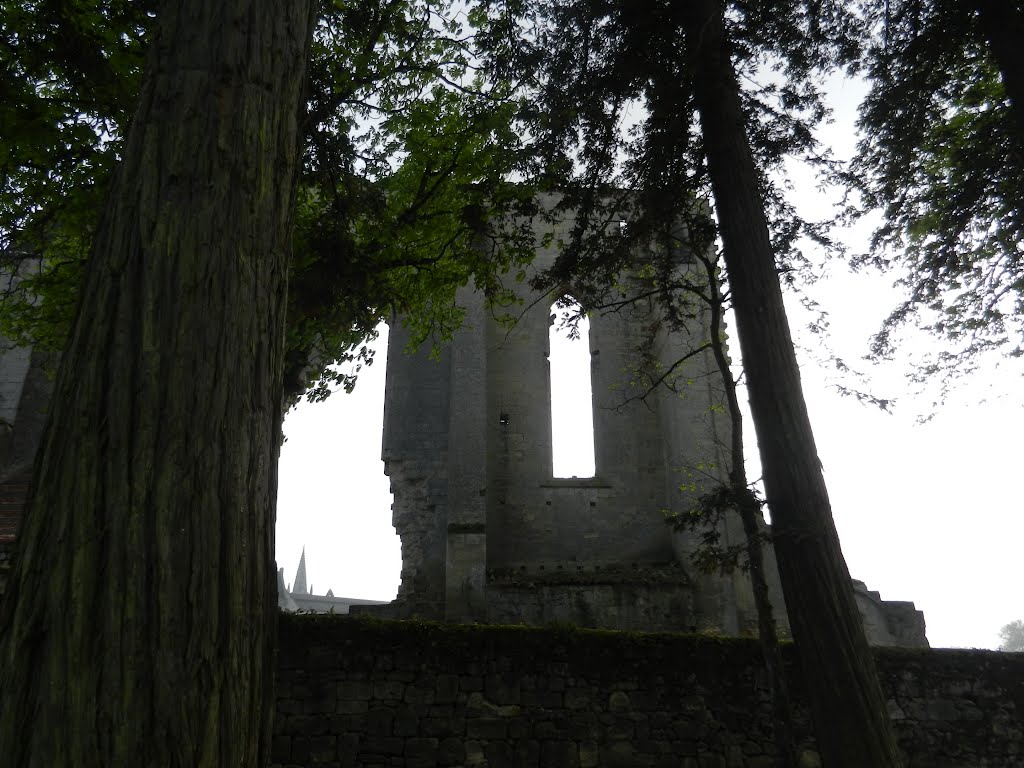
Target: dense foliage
942 157
407 157
1012 635
70 77
409 152
612 126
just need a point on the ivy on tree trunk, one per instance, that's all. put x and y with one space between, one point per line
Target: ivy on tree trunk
139 623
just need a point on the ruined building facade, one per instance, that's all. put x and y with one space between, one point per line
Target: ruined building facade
489 534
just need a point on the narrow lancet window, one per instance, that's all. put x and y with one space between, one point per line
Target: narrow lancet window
572 410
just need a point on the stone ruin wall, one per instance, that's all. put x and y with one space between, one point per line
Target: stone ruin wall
488 534
354 693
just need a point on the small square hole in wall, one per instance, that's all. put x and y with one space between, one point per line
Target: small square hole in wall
547 503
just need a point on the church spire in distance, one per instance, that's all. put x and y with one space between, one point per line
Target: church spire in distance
299 587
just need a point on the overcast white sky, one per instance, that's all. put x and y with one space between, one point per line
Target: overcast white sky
927 512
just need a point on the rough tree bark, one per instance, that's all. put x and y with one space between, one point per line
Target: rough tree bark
139 624
847 704
749 511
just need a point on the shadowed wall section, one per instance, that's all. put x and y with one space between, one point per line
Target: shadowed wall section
354 693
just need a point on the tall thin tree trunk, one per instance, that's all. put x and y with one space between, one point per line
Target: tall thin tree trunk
847 704
139 624
750 515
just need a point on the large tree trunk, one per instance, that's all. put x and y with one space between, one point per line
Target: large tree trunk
139 623
846 699
1002 24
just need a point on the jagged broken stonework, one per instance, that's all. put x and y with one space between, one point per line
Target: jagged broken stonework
490 535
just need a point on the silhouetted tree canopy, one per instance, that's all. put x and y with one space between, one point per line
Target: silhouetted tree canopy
408 154
942 157
1012 636
638 113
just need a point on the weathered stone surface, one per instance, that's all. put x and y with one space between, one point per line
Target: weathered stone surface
451 751
420 751
487 728
633 700
407 720
560 754
619 702
379 721
490 535
446 688
619 754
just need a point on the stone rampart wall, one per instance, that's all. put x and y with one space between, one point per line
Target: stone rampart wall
359 693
